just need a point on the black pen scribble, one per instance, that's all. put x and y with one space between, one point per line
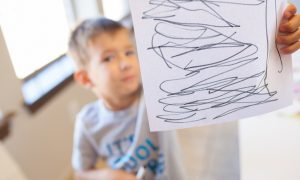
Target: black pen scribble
276 33
190 96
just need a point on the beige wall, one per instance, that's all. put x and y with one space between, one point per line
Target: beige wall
40 143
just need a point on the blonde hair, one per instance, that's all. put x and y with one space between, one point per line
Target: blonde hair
86 31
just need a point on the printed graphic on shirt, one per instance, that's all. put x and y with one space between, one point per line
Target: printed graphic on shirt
146 154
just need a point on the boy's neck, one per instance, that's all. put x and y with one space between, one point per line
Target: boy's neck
117 104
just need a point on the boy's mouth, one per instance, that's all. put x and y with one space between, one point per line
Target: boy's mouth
128 78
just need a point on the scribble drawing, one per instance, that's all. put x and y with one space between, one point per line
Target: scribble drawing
181 43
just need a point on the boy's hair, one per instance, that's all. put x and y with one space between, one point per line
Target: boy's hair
86 31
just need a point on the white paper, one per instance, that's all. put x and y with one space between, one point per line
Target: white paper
206 62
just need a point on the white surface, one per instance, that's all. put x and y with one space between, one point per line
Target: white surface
34 34
9 170
269 146
212 75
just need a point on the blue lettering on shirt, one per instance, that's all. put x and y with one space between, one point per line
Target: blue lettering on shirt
130 164
110 153
149 142
142 155
119 147
142 152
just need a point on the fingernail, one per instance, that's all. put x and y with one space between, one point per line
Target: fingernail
287 14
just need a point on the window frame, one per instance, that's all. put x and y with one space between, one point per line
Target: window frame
40 102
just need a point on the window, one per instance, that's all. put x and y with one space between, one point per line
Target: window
35 31
115 9
47 80
36 34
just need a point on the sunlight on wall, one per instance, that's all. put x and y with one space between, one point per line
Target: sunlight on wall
35 32
115 9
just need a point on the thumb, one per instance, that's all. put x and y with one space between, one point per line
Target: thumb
289 12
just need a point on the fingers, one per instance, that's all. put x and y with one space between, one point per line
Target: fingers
287 39
291 48
289 12
289 35
290 26
290 21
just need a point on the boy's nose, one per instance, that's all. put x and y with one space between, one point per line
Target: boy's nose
125 63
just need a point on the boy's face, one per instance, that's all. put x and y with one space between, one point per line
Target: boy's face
113 70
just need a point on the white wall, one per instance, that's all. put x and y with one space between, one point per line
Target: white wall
40 143
85 9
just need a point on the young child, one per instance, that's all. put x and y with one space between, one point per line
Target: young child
115 127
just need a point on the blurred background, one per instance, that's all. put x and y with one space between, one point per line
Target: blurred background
39 102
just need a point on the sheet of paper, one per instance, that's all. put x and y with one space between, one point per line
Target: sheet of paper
205 62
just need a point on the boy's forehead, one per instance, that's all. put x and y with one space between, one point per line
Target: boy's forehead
119 35
118 38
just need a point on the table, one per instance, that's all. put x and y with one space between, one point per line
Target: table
270 146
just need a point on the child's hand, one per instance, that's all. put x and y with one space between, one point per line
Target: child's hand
289 31
106 173
118 174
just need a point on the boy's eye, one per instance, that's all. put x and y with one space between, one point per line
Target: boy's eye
130 53
108 58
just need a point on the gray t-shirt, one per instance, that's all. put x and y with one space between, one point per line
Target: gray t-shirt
123 139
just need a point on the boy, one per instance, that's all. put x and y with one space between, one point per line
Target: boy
115 127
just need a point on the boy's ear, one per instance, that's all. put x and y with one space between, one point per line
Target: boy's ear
82 78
